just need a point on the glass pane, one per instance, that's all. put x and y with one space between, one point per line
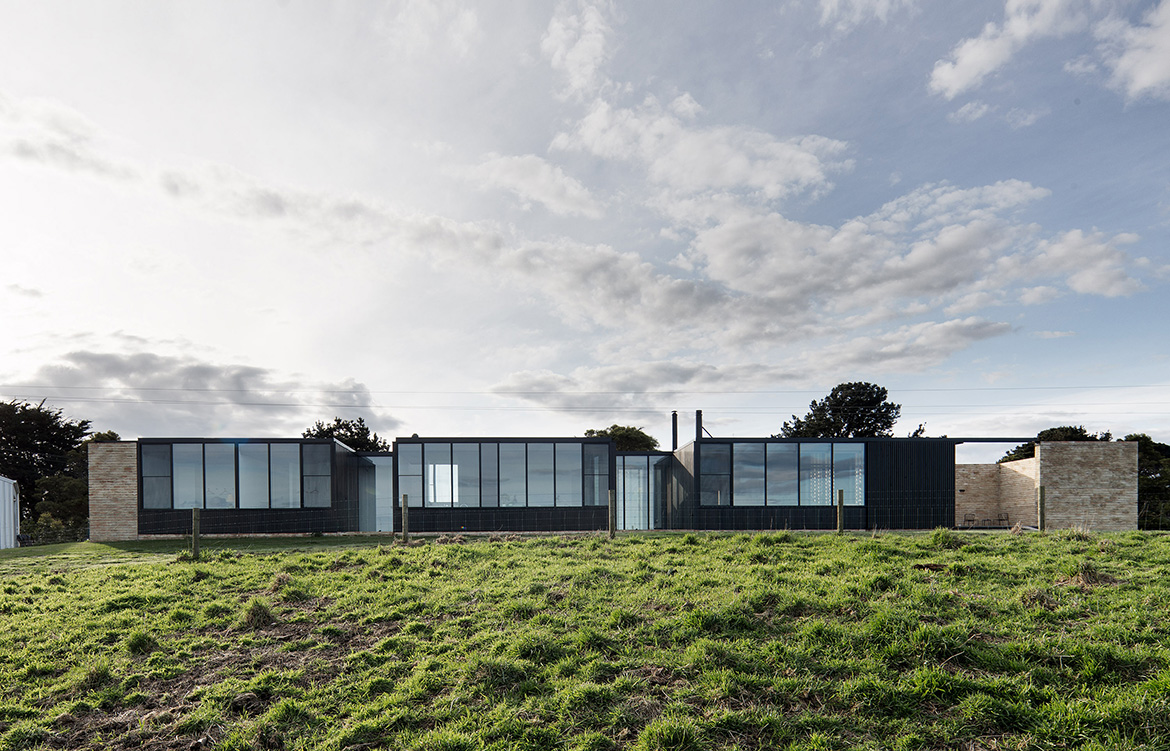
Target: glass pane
748 474
596 490
849 472
316 458
412 487
540 474
489 484
410 459
715 459
156 461
384 491
715 490
596 459
513 490
816 474
568 474
316 491
220 474
634 493
253 475
783 479
465 457
156 491
188 472
438 473
285 475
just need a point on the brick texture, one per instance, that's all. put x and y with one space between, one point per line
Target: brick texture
1089 484
984 491
113 491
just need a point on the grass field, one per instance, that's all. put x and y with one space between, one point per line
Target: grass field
801 641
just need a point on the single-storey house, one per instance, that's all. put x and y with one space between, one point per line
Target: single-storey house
145 488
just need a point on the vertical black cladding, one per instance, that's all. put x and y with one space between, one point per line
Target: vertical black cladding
911 483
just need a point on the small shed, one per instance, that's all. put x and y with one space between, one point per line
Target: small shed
9 513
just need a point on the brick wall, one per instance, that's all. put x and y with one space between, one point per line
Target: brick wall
1089 484
1019 491
113 491
976 493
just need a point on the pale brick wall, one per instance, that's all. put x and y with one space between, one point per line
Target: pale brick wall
113 491
1019 491
976 493
1089 484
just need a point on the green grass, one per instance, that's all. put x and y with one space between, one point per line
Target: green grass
791 641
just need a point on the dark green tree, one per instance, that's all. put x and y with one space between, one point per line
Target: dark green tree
353 433
851 410
625 437
1062 433
65 495
1153 482
36 442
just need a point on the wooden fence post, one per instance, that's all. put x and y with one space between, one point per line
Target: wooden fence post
612 514
195 533
405 521
840 511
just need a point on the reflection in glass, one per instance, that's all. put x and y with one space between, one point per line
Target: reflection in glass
816 474
284 479
513 488
540 474
220 474
489 483
633 492
383 491
253 475
412 488
410 459
438 473
596 474
748 459
316 491
568 474
188 473
596 490
783 479
715 459
316 457
849 472
156 475
156 460
465 457
715 474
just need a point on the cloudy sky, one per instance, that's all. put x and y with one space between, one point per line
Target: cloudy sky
532 218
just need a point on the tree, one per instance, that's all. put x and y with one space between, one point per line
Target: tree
65 495
851 410
353 433
36 442
625 437
1062 433
1153 482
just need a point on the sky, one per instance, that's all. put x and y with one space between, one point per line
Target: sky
532 218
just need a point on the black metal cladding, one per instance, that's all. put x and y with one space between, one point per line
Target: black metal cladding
911 483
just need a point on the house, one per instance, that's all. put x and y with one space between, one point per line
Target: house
148 487
9 513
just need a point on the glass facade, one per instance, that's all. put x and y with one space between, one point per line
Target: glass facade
641 487
764 473
507 474
231 475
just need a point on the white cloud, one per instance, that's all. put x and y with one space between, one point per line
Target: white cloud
1053 334
693 160
415 27
576 43
1021 118
1093 263
970 112
49 133
845 14
973 59
534 179
1139 55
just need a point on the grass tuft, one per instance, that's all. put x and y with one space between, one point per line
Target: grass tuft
257 614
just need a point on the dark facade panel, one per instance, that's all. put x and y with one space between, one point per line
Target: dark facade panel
911 484
777 517
544 519
248 521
